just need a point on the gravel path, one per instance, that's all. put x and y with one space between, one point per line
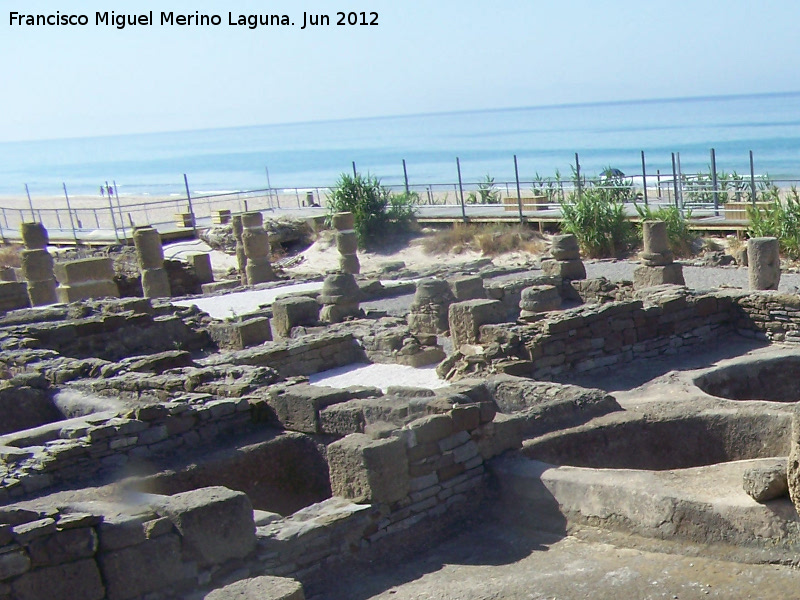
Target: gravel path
698 278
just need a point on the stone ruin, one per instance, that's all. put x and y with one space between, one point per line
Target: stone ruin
658 266
346 242
37 265
339 298
241 256
566 262
538 299
255 243
84 279
149 451
764 263
429 309
155 283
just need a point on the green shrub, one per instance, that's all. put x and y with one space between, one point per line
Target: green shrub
377 212
678 232
598 220
486 193
780 220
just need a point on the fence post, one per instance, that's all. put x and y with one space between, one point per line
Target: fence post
714 182
113 220
119 211
675 180
69 210
752 180
355 173
30 202
644 179
461 191
658 182
680 178
191 210
578 176
405 175
519 193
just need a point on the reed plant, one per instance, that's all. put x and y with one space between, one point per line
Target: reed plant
376 211
597 218
778 219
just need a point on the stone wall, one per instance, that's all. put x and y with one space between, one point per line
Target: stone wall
389 482
104 444
301 356
627 326
86 551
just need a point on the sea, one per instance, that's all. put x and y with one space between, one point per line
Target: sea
545 140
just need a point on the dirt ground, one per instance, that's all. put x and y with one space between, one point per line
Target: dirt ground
496 561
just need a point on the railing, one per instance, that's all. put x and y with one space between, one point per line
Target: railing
116 217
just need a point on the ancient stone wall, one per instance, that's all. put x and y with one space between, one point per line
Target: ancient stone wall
78 449
168 546
662 320
302 356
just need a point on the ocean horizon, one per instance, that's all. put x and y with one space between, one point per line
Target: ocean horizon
314 154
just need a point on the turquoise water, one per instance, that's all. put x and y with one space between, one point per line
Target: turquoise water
307 155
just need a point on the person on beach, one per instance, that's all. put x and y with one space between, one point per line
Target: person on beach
110 192
102 192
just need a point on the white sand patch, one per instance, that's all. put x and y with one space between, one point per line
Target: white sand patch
228 306
240 303
322 256
379 375
220 262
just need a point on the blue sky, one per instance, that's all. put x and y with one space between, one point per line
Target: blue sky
423 56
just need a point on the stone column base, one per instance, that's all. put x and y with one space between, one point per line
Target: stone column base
649 276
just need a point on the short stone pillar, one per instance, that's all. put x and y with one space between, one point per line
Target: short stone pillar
764 263
255 240
657 266
155 282
238 335
366 470
467 287
241 257
293 312
467 317
538 299
346 242
37 265
566 262
428 310
86 278
201 263
339 298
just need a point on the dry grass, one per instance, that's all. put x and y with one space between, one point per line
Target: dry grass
489 240
10 255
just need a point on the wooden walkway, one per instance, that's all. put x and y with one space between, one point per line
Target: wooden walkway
549 219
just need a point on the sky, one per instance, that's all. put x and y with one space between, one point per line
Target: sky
423 56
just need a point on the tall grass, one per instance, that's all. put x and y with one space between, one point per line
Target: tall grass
377 212
778 219
597 219
490 240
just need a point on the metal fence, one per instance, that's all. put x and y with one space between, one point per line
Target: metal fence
114 217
